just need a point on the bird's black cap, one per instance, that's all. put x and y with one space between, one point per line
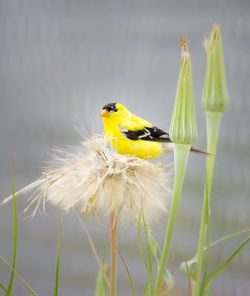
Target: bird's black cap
110 107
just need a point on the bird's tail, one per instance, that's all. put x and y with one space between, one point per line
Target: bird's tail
169 147
201 152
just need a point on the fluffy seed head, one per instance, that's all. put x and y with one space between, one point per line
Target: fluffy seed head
93 177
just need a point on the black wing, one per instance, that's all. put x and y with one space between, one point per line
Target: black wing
147 134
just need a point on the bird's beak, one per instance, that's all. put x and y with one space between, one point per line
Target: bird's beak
104 113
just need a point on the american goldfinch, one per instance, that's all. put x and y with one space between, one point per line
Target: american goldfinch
130 134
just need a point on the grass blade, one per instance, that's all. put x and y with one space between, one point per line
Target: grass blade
3 288
207 289
149 251
18 275
129 275
147 291
218 270
58 257
139 244
102 288
193 260
9 290
154 247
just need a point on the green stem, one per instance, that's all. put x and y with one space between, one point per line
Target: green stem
18 275
9 290
181 153
213 126
58 258
113 231
149 251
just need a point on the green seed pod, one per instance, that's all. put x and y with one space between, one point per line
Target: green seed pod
215 95
183 125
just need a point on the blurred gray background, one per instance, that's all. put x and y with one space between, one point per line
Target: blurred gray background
60 62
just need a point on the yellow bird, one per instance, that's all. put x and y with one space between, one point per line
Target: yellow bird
130 134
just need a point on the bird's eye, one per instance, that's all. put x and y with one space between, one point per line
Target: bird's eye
111 107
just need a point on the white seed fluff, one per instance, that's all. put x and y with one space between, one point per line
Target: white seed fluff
94 177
